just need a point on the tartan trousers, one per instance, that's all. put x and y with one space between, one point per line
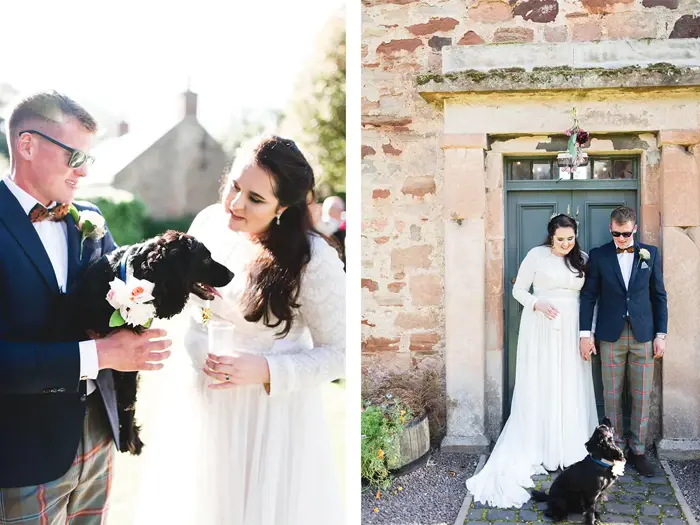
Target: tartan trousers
616 359
81 495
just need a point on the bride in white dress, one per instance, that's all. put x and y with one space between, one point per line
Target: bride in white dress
553 410
242 440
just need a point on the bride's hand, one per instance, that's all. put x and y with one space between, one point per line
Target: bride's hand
245 369
546 308
587 347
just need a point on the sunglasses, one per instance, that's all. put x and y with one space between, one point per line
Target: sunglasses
626 235
77 157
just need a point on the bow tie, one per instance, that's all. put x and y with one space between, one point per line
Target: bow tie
40 213
628 250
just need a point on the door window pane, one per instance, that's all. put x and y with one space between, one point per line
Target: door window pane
623 169
541 170
521 170
602 169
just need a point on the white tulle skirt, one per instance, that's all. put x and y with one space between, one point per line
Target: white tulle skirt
235 457
553 410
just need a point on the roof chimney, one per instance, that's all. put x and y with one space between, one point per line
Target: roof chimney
190 103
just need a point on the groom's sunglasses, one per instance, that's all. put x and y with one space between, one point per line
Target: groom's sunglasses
77 157
626 235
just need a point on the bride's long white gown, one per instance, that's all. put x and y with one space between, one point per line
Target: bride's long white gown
243 456
553 410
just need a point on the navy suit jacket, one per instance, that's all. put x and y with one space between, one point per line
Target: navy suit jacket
644 299
42 399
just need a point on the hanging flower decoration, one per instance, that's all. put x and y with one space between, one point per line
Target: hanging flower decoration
575 156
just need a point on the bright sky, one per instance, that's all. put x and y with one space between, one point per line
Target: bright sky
133 58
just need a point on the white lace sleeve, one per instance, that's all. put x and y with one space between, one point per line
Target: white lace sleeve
322 307
524 280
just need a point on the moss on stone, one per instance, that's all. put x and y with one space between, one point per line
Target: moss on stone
546 75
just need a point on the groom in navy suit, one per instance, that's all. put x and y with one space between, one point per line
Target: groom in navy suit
58 421
626 280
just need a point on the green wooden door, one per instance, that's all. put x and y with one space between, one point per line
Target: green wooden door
529 205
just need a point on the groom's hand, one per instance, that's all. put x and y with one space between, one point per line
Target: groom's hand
659 347
127 352
587 347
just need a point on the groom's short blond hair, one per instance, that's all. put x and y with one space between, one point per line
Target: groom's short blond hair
623 215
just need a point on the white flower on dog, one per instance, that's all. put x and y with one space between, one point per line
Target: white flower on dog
644 254
130 301
619 467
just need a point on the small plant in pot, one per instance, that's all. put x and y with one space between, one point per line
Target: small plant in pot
412 407
381 425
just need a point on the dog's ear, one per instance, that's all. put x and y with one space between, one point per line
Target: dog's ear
607 422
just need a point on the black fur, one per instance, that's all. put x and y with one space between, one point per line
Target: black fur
175 262
579 487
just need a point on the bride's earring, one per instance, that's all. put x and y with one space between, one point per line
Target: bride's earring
278 219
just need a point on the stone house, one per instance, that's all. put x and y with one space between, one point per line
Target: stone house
176 172
464 108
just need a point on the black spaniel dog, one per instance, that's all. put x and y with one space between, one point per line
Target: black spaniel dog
177 264
579 487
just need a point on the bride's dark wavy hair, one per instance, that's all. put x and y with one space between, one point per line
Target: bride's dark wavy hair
272 289
574 259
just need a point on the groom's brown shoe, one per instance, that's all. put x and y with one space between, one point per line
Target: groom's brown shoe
641 464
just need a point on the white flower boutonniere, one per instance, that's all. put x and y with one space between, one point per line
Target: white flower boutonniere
90 223
644 254
131 301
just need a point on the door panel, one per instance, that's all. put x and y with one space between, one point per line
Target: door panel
526 227
528 213
594 209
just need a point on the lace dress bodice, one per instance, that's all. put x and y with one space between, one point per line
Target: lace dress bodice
313 352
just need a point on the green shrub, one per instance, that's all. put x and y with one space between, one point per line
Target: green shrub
155 227
381 426
125 219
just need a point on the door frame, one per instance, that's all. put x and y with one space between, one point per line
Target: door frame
512 186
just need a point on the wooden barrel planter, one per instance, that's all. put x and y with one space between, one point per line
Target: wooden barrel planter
414 446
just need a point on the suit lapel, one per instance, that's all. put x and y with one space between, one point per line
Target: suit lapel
20 227
612 254
74 261
635 265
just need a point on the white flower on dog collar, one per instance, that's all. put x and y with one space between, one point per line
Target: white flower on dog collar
644 254
131 302
618 467
90 223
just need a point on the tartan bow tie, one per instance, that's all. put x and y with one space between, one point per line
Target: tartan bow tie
40 213
628 250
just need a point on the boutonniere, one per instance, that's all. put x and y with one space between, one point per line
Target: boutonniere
644 254
206 314
132 302
90 224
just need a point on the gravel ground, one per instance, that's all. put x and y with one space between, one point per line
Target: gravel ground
687 474
430 495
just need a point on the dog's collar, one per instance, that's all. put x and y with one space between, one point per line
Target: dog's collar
123 267
602 462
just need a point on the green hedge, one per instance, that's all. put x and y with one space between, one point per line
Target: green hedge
129 221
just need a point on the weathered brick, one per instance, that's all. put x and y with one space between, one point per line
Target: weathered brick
419 186
540 11
391 150
380 344
380 193
412 321
426 290
687 26
413 257
491 11
434 25
470 38
438 42
395 287
514 34
669 4
395 46
424 342
604 6
371 285
367 151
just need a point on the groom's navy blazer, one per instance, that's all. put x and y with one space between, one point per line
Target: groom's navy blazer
42 399
644 299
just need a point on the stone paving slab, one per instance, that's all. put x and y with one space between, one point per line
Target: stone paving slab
633 499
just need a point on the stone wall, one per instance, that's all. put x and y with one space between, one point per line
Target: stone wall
403 188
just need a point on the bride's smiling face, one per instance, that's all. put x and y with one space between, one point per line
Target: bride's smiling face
563 241
250 200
